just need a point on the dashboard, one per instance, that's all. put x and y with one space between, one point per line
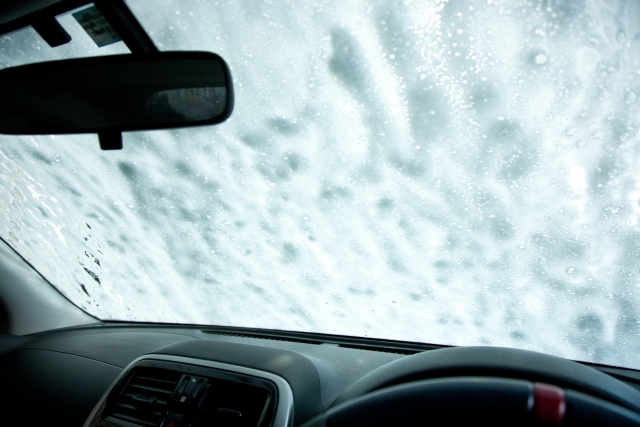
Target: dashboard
65 373
96 375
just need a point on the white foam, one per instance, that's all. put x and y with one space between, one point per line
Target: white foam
311 208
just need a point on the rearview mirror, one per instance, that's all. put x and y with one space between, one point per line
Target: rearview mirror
111 94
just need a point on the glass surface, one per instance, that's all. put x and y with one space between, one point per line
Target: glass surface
458 173
26 46
193 104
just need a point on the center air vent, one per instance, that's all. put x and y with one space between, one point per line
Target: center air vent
229 403
157 393
145 396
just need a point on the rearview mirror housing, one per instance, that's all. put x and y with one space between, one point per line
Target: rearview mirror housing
111 94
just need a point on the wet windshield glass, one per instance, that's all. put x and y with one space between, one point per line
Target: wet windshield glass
458 173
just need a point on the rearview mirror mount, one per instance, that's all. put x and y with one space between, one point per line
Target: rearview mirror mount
111 94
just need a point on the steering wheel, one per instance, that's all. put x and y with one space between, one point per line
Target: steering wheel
484 386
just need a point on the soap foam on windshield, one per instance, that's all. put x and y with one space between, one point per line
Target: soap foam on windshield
458 173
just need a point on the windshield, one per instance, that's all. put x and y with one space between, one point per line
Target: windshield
462 173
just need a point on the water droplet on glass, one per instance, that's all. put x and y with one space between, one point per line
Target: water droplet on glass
541 58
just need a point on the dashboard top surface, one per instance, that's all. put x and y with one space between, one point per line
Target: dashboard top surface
322 371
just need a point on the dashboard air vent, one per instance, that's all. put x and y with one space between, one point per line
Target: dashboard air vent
145 396
263 337
229 403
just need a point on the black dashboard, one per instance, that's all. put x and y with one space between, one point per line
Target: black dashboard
69 376
64 373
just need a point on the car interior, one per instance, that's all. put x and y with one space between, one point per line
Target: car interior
60 365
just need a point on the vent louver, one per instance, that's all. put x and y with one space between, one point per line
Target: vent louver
232 404
156 392
145 396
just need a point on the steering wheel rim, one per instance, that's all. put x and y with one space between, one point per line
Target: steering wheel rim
495 362
476 401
